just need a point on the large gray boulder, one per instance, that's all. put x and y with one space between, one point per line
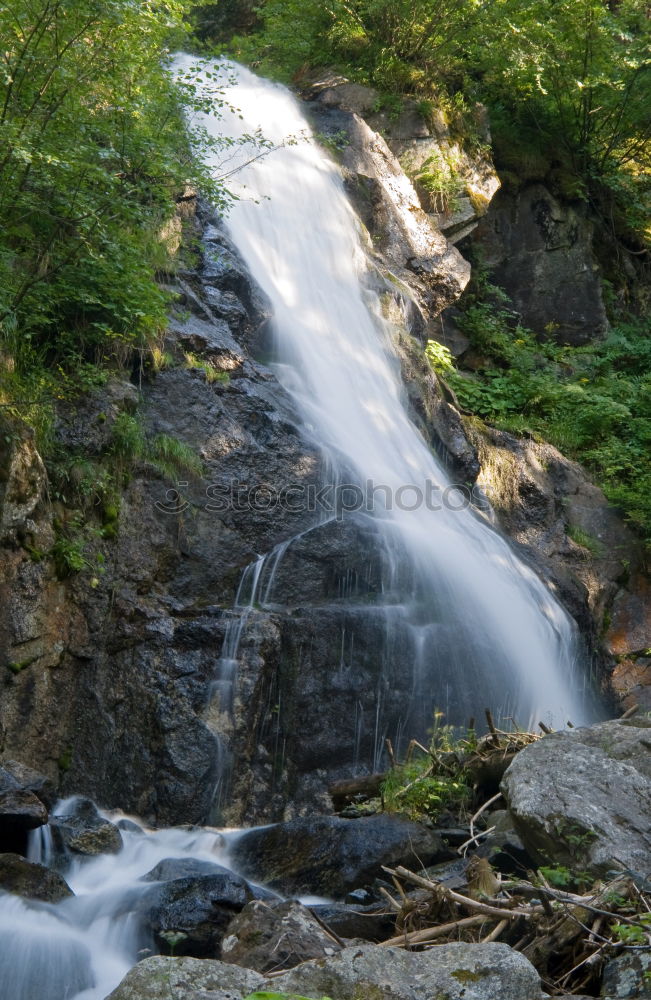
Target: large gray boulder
330 856
582 797
161 978
445 972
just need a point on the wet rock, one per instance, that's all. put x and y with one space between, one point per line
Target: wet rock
450 971
330 856
503 847
409 244
422 145
631 682
199 908
20 812
30 780
628 976
272 936
81 829
23 479
87 425
451 874
630 626
173 868
32 881
582 797
160 978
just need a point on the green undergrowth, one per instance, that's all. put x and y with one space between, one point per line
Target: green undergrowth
431 781
592 402
94 158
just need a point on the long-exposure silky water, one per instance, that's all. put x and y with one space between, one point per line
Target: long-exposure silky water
82 946
485 630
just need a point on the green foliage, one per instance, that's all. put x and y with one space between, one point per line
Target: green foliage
171 457
68 554
585 540
128 442
559 877
212 374
592 402
93 155
396 45
425 786
440 357
439 177
634 934
568 82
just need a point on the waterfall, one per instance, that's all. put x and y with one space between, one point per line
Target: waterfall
482 628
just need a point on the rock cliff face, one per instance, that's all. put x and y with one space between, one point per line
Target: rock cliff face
109 675
540 252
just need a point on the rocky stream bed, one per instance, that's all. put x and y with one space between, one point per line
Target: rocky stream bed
391 909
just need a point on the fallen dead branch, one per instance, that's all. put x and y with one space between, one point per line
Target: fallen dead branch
566 935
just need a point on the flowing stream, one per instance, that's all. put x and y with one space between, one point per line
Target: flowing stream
83 946
483 629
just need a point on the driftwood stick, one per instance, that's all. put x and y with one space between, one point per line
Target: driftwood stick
496 931
569 898
491 725
474 818
629 713
393 903
431 933
456 897
474 840
546 730
401 891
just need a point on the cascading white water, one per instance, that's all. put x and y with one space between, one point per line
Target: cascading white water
83 946
484 629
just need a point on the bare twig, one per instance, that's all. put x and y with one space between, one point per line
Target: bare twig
431 933
471 904
496 931
475 839
473 820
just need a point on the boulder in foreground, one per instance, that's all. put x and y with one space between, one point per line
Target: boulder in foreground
582 797
444 972
160 978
